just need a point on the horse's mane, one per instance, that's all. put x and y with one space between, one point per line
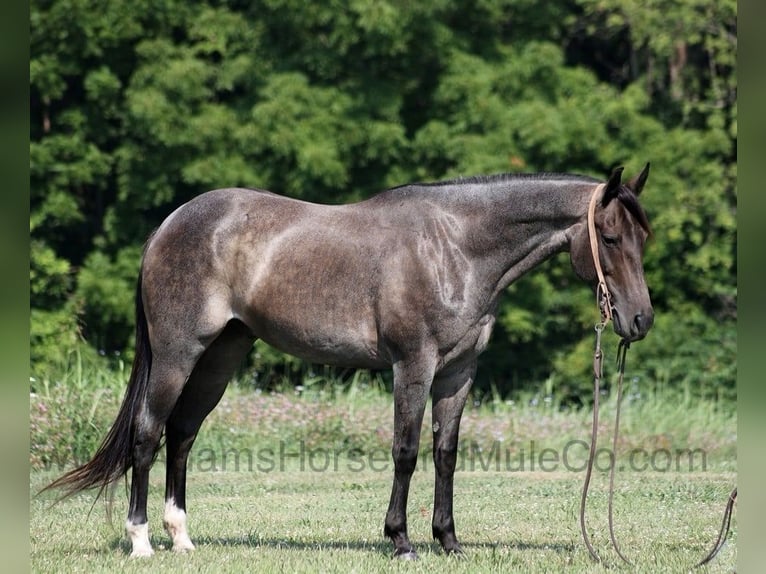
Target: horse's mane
501 177
624 194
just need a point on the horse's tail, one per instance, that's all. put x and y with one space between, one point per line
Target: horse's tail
114 457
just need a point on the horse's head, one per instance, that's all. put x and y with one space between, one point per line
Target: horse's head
621 231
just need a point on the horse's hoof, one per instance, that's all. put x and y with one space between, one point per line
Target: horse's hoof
142 552
456 553
406 555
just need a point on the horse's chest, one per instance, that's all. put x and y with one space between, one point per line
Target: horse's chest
473 341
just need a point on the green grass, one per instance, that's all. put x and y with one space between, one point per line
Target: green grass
299 482
304 521
69 418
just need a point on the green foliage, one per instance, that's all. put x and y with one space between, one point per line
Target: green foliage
694 353
685 53
72 412
53 321
106 291
684 350
137 107
52 336
50 278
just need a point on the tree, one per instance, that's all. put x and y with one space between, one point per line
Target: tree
138 107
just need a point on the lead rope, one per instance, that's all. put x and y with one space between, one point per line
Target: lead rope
724 532
597 371
604 301
622 351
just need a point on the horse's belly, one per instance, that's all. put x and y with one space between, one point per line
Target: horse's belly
338 348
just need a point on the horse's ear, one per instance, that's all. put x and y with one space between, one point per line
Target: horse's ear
612 186
637 183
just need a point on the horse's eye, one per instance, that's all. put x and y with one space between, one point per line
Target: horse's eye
610 240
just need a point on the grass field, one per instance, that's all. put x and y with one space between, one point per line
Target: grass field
299 482
305 521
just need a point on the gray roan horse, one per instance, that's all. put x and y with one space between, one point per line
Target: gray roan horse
408 279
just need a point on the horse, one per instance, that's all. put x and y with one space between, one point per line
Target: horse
408 279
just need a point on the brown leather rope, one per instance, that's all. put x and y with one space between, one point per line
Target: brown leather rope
724 532
622 351
604 301
597 372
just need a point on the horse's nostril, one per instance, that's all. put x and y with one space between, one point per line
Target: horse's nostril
642 322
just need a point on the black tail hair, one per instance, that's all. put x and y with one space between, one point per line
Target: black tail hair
114 457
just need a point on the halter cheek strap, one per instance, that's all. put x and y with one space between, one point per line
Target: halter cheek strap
603 297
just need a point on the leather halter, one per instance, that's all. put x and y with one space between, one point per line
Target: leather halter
603 296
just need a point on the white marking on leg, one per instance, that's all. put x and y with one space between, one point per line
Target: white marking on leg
139 538
175 525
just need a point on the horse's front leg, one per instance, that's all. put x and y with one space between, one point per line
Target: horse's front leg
450 390
412 383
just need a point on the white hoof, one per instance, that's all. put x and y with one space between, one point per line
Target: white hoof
142 552
139 538
175 525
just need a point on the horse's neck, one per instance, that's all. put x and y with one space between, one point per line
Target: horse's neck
519 223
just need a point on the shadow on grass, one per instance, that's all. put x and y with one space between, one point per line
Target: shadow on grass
254 541
382 547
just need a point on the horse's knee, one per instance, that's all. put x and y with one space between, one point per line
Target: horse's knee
445 459
405 458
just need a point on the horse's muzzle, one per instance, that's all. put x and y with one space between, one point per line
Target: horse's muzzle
637 328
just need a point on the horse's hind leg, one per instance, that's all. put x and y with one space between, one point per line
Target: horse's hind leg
169 373
200 395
